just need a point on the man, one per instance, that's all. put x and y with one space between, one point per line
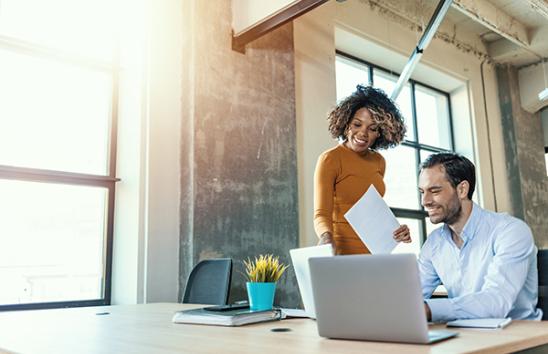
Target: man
486 260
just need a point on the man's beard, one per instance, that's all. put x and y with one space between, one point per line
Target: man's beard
454 211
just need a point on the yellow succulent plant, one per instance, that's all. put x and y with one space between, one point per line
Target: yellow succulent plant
265 269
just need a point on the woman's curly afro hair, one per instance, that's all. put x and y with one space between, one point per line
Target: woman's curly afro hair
383 110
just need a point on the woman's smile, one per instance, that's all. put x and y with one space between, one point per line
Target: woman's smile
362 131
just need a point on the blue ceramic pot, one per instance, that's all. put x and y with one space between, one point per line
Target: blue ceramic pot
260 295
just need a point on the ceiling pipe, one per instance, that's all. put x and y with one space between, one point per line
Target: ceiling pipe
427 36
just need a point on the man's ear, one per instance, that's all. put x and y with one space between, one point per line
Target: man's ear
462 189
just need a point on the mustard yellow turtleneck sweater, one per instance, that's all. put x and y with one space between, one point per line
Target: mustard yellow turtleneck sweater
342 176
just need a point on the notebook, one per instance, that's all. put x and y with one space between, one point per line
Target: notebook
299 258
238 317
371 297
489 323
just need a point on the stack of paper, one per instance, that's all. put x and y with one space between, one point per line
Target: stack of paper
236 317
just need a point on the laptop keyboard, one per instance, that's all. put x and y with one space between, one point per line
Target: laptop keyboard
439 335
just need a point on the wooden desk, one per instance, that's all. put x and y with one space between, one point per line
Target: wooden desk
148 329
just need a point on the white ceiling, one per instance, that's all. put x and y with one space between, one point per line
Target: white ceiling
505 31
524 11
495 21
512 31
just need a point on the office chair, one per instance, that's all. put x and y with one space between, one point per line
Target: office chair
542 264
209 282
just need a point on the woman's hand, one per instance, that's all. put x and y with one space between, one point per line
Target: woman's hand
402 234
325 238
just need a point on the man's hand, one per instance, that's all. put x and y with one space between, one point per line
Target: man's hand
402 234
428 312
325 238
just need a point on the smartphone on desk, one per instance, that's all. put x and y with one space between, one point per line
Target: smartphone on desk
227 307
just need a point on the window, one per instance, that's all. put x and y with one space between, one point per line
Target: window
427 114
58 92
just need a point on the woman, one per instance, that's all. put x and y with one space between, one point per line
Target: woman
365 121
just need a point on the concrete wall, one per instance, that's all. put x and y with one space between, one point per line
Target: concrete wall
315 95
524 144
239 173
459 67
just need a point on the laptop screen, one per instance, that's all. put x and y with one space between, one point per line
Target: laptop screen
299 258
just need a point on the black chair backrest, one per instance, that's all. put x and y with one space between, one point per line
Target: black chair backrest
209 282
542 264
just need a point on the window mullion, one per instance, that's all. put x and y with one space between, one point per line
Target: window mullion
39 175
451 130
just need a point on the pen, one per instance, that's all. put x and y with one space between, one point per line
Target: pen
505 323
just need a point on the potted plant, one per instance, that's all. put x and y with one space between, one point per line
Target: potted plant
262 275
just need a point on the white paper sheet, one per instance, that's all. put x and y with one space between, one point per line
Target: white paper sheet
374 222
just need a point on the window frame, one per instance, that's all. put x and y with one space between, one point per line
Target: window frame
417 214
107 181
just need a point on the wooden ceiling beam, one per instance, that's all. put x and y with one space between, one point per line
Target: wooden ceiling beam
296 9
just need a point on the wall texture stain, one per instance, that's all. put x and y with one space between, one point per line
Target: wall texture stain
525 156
239 142
507 121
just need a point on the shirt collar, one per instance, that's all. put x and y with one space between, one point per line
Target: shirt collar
469 229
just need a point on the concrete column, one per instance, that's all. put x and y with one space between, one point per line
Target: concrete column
524 148
239 167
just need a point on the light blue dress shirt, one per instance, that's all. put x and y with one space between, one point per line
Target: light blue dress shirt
493 275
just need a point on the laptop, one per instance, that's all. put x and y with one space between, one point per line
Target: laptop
299 258
371 297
